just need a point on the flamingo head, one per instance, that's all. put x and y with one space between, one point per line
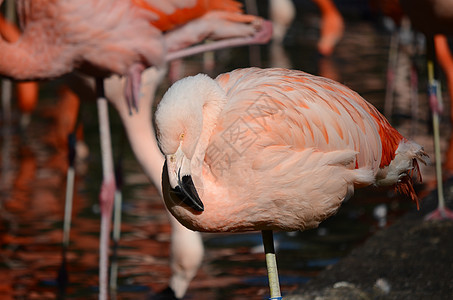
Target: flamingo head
179 119
177 169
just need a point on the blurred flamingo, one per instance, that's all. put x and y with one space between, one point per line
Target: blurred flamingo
27 91
59 36
273 149
186 248
445 59
435 18
282 13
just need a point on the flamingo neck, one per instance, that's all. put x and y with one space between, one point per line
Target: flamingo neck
212 104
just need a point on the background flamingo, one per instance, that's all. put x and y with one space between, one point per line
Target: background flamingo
273 149
434 17
283 12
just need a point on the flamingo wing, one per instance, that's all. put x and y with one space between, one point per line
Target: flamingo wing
299 110
286 135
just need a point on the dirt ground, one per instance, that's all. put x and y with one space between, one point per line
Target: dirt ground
411 259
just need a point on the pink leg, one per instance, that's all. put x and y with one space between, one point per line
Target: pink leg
440 213
199 30
435 102
107 193
132 90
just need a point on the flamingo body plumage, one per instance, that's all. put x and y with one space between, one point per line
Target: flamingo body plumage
273 149
90 35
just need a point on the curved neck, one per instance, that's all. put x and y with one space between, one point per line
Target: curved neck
138 125
212 107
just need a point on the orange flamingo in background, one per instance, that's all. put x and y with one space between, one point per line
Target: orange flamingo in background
435 18
282 13
445 59
26 92
273 149
60 36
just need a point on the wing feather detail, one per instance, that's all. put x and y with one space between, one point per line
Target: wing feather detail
311 112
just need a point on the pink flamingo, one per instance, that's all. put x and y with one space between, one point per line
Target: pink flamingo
435 18
60 36
273 149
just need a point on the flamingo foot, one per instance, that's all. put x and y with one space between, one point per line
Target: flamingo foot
440 214
133 85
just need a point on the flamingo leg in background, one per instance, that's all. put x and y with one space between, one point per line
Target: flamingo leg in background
271 262
440 16
435 101
117 208
106 196
181 36
445 60
69 195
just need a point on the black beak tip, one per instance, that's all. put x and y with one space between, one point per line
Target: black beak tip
188 194
188 199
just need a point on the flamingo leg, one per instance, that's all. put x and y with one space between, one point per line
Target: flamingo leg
271 262
106 195
70 178
436 107
260 37
69 189
116 226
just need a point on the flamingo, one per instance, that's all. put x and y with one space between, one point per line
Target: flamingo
89 36
435 18
273 149
282 13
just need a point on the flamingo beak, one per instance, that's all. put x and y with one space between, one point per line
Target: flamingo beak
182 186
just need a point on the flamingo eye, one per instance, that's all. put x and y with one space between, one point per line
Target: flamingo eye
181 136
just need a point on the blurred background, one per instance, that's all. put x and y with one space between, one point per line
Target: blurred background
33 163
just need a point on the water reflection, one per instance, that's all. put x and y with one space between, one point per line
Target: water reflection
33 188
